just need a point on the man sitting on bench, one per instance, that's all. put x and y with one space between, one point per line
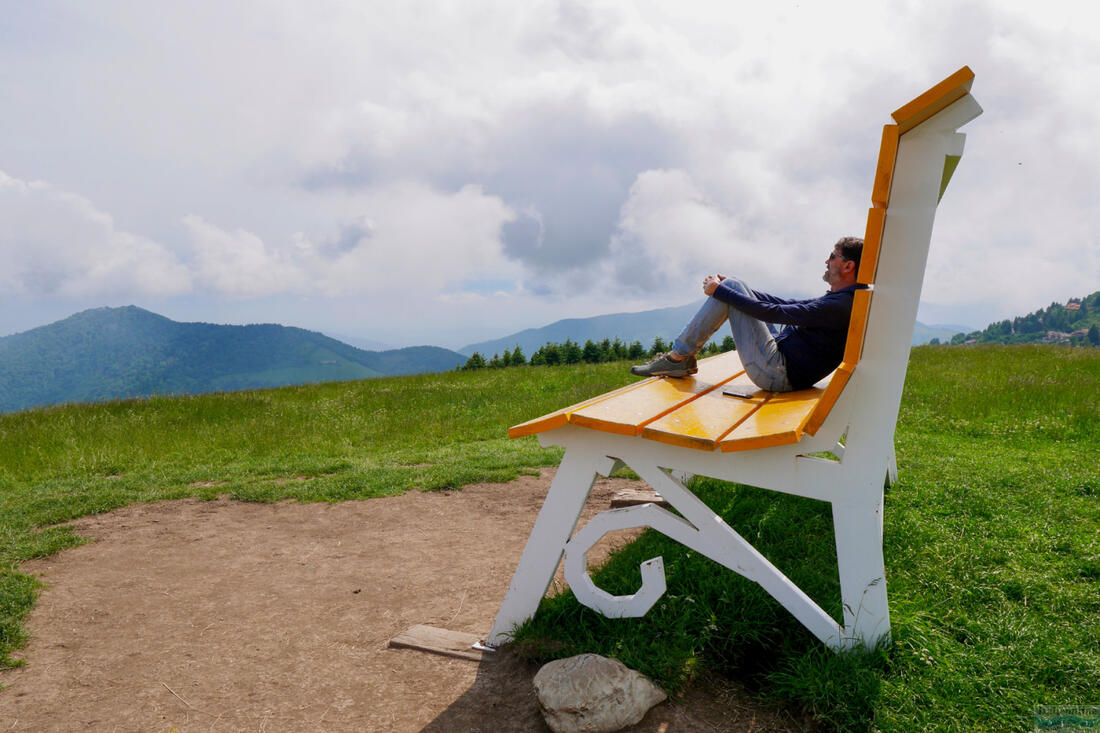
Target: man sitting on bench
808 348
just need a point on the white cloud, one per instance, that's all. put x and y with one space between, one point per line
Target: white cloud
1017 228
54 242
240 264
346 150
422 243
412 240
670 235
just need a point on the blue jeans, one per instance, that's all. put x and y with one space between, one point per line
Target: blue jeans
755 340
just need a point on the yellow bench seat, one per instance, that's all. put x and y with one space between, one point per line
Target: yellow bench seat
695 411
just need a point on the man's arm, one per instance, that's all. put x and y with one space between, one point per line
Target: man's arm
711 283
829 311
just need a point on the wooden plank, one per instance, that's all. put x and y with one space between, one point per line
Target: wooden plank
560 417
884 170
872 240
779 421
853 350
700 423
439 641
635 497
629 413
832 393
727 360
935 100
857 326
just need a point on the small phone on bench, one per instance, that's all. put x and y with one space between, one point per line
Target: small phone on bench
744 391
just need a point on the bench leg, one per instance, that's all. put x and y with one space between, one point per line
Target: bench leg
858 528
555 524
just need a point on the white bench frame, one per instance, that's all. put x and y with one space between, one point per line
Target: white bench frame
865 416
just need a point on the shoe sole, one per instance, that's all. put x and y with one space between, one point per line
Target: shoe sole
664 374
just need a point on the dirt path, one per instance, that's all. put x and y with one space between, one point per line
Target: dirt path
229 616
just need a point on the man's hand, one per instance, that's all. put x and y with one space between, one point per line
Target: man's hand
711 283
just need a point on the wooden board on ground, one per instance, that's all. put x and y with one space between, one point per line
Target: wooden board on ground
634 497
439 641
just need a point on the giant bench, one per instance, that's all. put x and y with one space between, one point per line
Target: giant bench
718 424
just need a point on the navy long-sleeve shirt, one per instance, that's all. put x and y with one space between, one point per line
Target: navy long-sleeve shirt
815 329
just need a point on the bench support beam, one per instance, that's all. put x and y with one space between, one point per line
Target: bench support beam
858 527
554 525
858 530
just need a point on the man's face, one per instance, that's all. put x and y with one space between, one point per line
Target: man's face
834 269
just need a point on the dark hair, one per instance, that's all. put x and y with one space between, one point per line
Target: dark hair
851 248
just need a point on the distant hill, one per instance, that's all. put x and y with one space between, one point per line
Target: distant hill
1075 322
643 326
109 353
922 334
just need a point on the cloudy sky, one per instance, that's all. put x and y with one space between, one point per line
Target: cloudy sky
448 172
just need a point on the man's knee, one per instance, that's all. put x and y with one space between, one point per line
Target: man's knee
737 284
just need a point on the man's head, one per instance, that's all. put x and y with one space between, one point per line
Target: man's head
843 264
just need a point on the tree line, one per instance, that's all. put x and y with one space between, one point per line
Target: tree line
591 352
1075 323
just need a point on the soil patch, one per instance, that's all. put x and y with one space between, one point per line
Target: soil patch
227 616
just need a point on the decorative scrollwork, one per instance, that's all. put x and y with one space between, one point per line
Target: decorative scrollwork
653 570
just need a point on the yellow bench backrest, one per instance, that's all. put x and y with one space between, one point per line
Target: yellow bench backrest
906 118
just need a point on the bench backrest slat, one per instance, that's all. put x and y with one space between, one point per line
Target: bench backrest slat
872 240
934 101
853 349
884 170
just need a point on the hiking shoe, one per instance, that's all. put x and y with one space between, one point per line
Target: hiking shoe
663 366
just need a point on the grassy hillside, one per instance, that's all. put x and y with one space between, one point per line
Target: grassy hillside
922 334
992 534
992 547
1077 322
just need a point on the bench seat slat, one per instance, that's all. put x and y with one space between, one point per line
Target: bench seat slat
779 421
628 414
703 421
557 418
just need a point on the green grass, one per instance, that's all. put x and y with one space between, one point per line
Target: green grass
992 545
992 534
328 442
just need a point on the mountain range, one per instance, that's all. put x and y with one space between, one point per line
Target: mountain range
112 353
643 327
627 327
117 353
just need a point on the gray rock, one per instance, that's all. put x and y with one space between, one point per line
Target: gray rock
593 694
